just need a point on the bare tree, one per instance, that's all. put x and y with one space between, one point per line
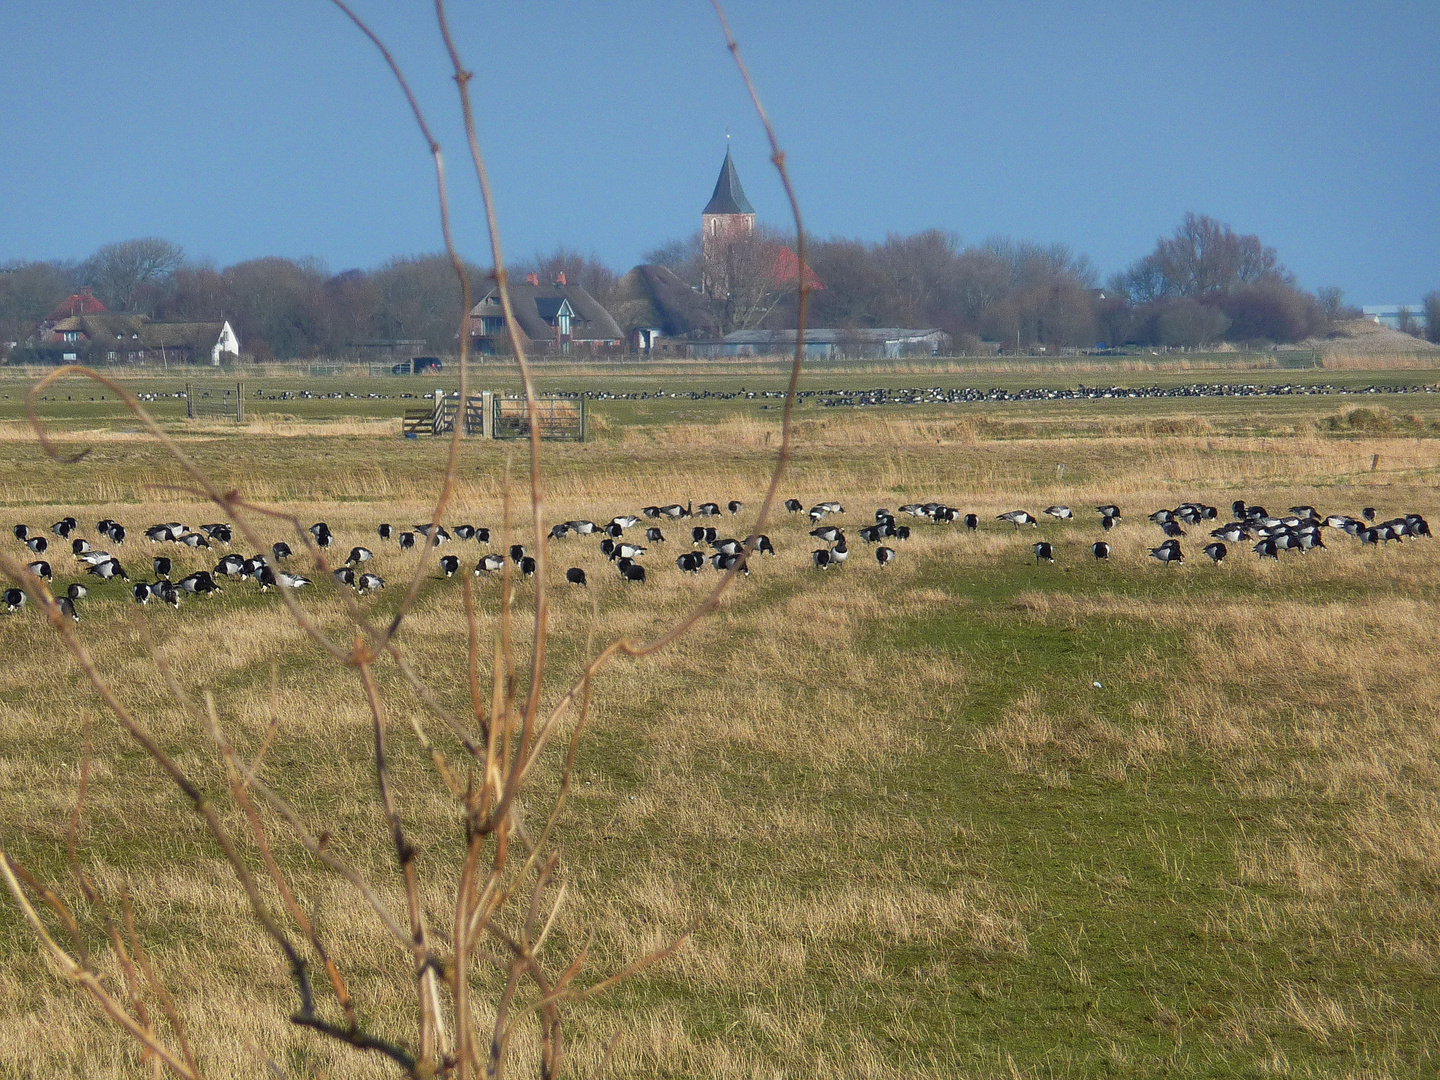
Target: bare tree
744 278
119 271
1432 316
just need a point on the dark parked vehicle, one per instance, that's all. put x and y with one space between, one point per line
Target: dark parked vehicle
418 366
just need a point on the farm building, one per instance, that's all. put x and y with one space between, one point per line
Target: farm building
1395 315
105 337
652 304
553 318
890 343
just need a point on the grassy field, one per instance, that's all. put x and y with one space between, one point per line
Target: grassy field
962 816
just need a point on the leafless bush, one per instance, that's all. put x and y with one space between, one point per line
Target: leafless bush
505 897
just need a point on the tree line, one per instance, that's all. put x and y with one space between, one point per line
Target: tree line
1201 285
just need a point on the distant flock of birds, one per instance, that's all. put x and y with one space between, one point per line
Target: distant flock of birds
1300 529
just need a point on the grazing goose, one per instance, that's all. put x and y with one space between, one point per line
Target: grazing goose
828 533
64 527
161 534
77 591
674 511
193 540
324 539
107 570
762 544
280 550
734 506
406 541
490 564
650 511
631 571
1168 552
291 581
704 534
482 535
22 532
161 565
219 532
902 532
318 528
527 566
1107 522
653 535
199 583
517 552
576 576
1100 549
972 521
359 555
580 528
140 592
67 608
1043 550
14 600
1159 517
1017 518
628 551
231 565
873 534
386 530
559 532
832 508
823 559
1267 549
708 509
722 562
41 569
1060 513
613 530
792 505
884 555
816 513
1234 532
627 521
344 575
691 562
1172 528
1216 552
167 592
369 583
1368 513
607 548
1109 510
449 564
839 553
38 544
94 558
79 546
467 532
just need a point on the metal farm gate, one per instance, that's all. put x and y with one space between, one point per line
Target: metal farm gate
215 400
493 416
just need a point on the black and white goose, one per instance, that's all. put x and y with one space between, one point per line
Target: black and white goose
1172 528
722 562
231 565
161 565
581 528
674 511
840 552
792 505
632 572
692 562
38 544
1100 549
734 506
199 583
884 555
449 565
22 532
406 541
828 533
560 531
77 591
467 532
1060 513
707 509
517 552
79 546
1107 522
761 543
490 564
702 534
528 566
627 521
386 530
367 583
280 550
344 575
41 569
822 558
64 527
1216 552
1109 510
576 576
972 521
108 569
14 600
291 581
1017 518
219 532
359 555
653 535
1043 550
1169 552
67 609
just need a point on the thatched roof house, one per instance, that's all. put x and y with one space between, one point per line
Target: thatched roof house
553 318
652 302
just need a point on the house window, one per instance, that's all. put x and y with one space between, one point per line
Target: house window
71 356
72 335
110 355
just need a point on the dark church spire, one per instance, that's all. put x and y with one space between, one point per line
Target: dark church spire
729 197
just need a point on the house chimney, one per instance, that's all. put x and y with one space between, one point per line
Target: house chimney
532 279
560 278
86 290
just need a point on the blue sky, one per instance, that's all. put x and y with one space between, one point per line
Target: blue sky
271 127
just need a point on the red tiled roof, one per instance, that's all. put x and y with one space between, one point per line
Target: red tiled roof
81 303
786 269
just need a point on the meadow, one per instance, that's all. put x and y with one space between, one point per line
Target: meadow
964 815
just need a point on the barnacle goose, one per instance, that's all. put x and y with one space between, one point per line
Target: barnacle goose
1043 550
576 576
1100 549
489 564
884 555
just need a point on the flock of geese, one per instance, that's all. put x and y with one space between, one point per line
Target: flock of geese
1301 529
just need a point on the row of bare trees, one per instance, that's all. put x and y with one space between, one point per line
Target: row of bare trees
1203 284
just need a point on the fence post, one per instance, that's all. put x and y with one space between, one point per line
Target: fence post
190 401
240 402
487 410
583 413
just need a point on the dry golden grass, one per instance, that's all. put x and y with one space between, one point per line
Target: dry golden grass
785 774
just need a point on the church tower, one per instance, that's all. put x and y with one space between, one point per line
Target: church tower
727 216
